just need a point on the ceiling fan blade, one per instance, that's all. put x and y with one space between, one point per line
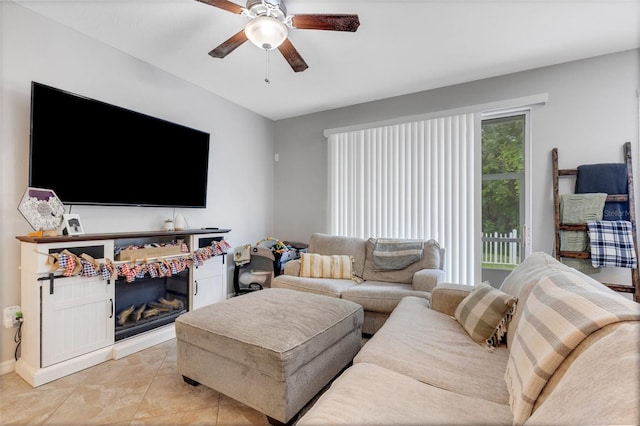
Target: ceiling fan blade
230 45
224 4
292 56
327 22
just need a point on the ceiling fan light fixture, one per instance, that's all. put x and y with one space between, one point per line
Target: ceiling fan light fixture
266 32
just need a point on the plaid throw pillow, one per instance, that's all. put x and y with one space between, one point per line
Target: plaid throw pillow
323 266
484 314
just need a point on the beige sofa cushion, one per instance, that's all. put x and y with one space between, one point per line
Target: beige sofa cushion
380 297
367 394
428 279
433 348
562 309
587 388
522 279
333 244
430 260
445 297
332 287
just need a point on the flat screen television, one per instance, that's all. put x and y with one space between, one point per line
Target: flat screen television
94 153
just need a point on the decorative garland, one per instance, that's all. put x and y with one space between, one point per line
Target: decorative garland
86 266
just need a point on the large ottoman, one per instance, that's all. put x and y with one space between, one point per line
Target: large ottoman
272 350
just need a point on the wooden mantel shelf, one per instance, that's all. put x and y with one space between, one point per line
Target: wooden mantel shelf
117 235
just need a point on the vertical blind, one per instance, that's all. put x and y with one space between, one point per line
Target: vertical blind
408 180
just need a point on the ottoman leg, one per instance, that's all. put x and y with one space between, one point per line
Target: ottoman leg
276 422
190 381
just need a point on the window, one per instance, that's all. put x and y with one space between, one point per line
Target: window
449 178
504 141
408 180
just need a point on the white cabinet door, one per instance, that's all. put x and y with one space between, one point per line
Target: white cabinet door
77 317
209 283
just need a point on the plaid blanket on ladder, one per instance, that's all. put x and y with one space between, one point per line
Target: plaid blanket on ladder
612 244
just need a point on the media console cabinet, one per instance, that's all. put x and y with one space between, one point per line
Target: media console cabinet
70 322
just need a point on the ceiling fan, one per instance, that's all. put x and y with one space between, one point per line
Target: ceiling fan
268 27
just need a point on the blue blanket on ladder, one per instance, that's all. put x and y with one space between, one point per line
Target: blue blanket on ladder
610 178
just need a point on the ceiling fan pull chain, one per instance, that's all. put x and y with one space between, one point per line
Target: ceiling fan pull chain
266 79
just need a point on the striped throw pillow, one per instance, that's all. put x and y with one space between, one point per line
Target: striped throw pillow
485 313
323 266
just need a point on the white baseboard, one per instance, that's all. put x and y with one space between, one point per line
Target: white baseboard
7 367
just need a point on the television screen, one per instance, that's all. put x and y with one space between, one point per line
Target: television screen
92 152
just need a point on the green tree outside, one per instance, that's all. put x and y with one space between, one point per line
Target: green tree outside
503 173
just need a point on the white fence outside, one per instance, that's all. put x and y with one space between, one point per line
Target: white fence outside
502 249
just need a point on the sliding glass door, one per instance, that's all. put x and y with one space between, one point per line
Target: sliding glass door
504 193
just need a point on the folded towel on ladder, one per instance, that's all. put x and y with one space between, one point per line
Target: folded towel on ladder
579 208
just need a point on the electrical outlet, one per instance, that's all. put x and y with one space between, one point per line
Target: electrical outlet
11 317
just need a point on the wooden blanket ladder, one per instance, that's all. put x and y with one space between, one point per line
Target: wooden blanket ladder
634 287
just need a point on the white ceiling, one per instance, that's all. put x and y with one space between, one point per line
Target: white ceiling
401 46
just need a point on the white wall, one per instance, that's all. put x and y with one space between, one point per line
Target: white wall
240 185
592 110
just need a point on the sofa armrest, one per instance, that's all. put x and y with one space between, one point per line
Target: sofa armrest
292 267
446 297
427 279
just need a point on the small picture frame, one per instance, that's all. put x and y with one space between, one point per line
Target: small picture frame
72 225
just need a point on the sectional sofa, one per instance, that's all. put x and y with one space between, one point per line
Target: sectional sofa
377 291
569 355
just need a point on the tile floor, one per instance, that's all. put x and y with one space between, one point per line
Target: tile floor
141 389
